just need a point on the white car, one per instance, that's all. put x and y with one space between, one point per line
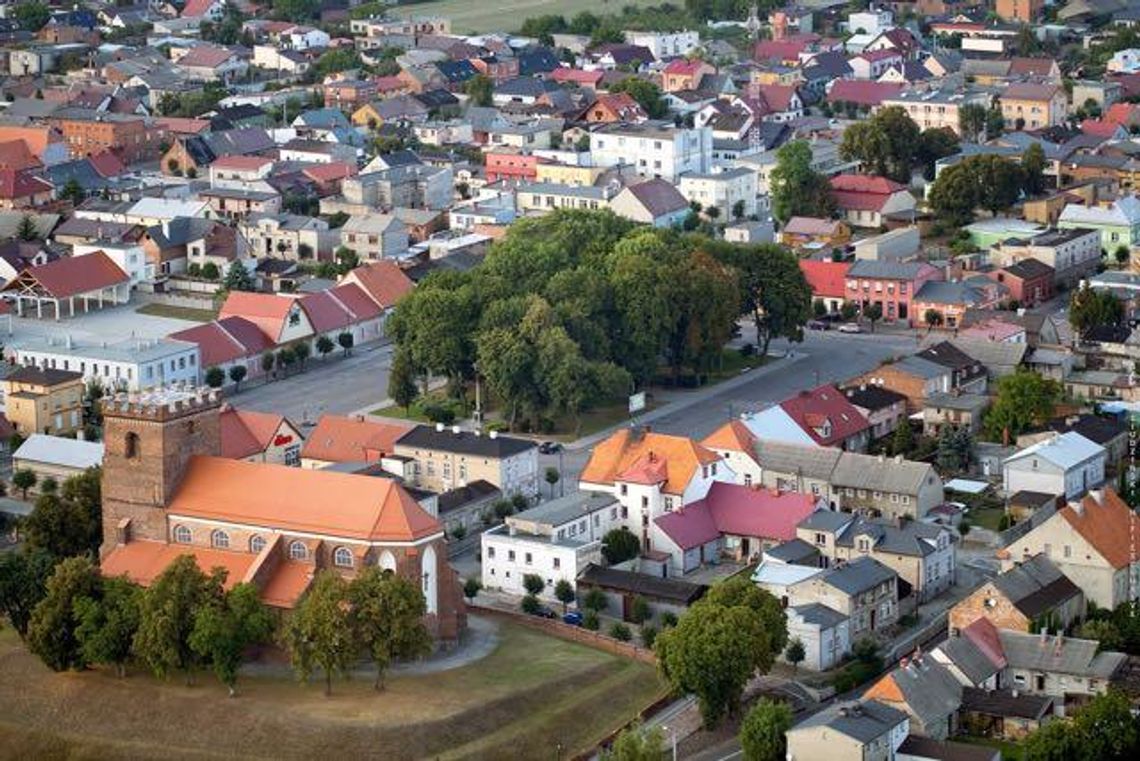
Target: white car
850 327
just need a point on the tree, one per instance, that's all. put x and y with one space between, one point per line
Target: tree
27 231
1121 255
346 341
23 583
933 319
479 89
49 486
335 61
64 527
762 733
738 210
285 358
639 611
620 632
215 377
873 313
210 271
296 10
992 182
387 618
52 628
552 477
595 600
848 311
32 16
620 545
972 121
718 645
887 143
268 362
533 584
530 605
637 743
773 290
23 480
1033 165
564 593
238 278
795 653
471 588
647 95
73 192
225 627
108 623
995 122
401 379
1107 728
1024 399
237 375
796 188
319 633
325 347
1055 741
903 440
1105 632
935 144
301 352
1090 309
166 619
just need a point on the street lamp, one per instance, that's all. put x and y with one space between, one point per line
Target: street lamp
673 738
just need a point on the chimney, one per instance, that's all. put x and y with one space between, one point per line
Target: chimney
1058 644
1097 495
1044 636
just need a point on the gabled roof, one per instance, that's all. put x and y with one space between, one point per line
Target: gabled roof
824 406
863 93
1065 450
17 184
658 197
626 447
733 436
863 192
245 433
858 576
1106 524
72 276
266 310
226 340
338 438
1036 586
825 278
926 687
1058 654
383 282
738 511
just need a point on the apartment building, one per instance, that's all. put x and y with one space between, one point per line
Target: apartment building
444 458
729 192
657 149
38 400
936 109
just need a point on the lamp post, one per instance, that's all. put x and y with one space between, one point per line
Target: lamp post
673 739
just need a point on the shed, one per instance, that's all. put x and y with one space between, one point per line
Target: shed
56 457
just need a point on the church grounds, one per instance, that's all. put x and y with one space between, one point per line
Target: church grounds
535 696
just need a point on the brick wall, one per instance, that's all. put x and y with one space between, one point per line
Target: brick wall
577 634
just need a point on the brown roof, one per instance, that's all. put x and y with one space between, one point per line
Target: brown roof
383 281
72 276
658 197
733 436
1106 524
246 433
629 450
16 184
337 438
265 310
42 376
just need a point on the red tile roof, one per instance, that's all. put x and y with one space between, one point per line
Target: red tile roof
207 56
334 170
861 92
787 49
241 163
1029 91
73 275
567 74
325 312
811 409
811 226
215 345
827 279
359 305
107 164
985 637
1106 524
16 185
337 438
863 192
739 511
880 55
15 155
1127 114
625 448
181 125
683 66
246 433
195 8
143 561
265 310
1099 128
383 281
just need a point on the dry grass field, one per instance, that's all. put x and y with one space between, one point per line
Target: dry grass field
476 16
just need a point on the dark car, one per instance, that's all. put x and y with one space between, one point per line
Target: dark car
574 618
544 612
550 447
818 325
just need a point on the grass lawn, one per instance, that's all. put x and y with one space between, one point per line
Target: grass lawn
1010 751
532 693
177 313
508 15
986 517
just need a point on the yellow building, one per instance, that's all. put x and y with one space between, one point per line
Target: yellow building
567 174
1028 105
43 400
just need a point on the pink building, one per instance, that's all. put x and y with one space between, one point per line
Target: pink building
891 285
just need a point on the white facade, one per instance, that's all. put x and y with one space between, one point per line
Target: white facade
825 644
870 22
1067 465
722 190
130 258
657 151
665 44
133 365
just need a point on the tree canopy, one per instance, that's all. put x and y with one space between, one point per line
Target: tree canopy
762 733
797 190
1024 399
888 143
647 94
70 521
991 182
1090 309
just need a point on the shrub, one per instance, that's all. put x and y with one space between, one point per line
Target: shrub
747 350
621 632
590 621
668 619
520 503
1004 523
530 604
964 527
648 635
438 412
459 532
639 611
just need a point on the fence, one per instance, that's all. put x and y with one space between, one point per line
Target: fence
569 632
1018 530
182 299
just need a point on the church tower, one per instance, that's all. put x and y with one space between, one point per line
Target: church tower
148 441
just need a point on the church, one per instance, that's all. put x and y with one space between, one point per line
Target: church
168 492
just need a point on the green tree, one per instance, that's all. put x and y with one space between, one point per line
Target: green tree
647 94
637 743
552 476
1033 165
471 588
796 188
387 618
564 593
762 733
972 121
237 375
795 652
108 623
1105 632
718 645
595 600
319 634
238 278
620 632
533 584
1121 255
738 210
215 377
52 629
73 192
773 290
225 627
401 379
210 271
301 352
1090 309
166 619
1055 741
848 310
63 527
268 362
873 313
296 10
995 122
1107 728
31 16
346 342
903 440
639 611
285 358
325 346
27 231
1024 399
335 61
887 143
933 319
620 545
23 583
935 144
479 89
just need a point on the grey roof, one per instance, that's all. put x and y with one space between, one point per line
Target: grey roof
57 450
861 720
794 551
826 520
973 403
464 442
131 350
809 462
818 614
1058 655
858 576
1036 586
891 475
993 354
565 509
969 658
913 538
931 692
653 587
658 197
1005 703
922 368
885 270
466 494
941 292
873 397
180 231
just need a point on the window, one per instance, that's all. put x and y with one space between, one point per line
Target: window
1068 551
557 563
747 479
511 555
821 539
182 535
256 544
220 540
529 559
298 551
490 552
342 557
131 447
624 490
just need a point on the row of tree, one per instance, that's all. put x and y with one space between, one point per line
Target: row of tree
986 181
282 359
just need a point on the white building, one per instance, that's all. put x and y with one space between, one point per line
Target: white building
134 364
130 257
659 149
825 634
554 541
1066 464
870 22
723 191
1124 61
665 44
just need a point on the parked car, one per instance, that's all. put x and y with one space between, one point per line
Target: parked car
818 325
850 327
550 447
574 618
544 612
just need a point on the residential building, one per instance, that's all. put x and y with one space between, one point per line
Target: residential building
227 343
884 409
828 281
1118 223
864 590
957 410
555 541
1089 541
654 202
1071 671
803 232
914 377
862 730
543 197
1033 106
259 437
1019 11
950 301
1066 464
1032 594
882 486
896 245
88 132
1030 281
38 400
289 236
824 633
869 201
926 691
1074 251
936 109
680 75
444 458
660 150
820 417
890 285
280 318
664 45
340 439
135 364
375 236
57 458
732 192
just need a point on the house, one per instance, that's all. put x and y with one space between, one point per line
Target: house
731 191
861 94
884 409
1029 281
43 400
1028 105
731 519
132 364
259 437
1118 223
615 107
890 285
957 410
1074 252
1088 540
926 691
868 201
864 590
1032 594
289 236
914 377
922 554
858 730
382 281
556 541
1019 11
265 530
280 318
872 64
660 149
56 458
1004 714
935 109
444 458
800 232
1066 464
228 342
827 281
682 74
948 302
895 245
820 417
24 189
1067 669
375 236
654 202
824 633
664 45
890 487
212 63
88 132
341 439
1110 433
